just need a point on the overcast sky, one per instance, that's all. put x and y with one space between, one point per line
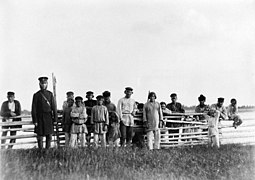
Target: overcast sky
188 47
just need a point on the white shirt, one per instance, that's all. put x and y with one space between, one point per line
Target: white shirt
11 106
126 107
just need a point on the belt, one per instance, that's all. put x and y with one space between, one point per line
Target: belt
78 123
126 113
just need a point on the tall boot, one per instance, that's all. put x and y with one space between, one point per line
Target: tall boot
48 141
40 142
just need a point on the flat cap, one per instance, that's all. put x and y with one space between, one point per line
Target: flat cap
43 79
69 93
173 95
220 99
89 92
10 93
129 89
99 97
78 98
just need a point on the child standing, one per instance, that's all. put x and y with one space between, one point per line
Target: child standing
113 131
213 132
232 113
78 128
100 120
67 121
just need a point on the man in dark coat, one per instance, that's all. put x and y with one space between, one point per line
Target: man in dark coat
89 104
10 108
43 113
175 106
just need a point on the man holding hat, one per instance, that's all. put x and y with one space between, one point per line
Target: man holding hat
126 109
175 106
43 113
89 104
9 109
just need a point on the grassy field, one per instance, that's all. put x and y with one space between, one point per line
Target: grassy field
200 162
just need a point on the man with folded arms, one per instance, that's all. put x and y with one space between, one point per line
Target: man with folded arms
9 109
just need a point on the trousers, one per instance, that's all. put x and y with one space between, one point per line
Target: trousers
48 141
74 139
156 135
126 134
102 138
12 133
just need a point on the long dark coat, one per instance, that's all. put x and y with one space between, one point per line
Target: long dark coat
43 112
6 112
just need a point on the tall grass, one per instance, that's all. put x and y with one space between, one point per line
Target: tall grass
199 162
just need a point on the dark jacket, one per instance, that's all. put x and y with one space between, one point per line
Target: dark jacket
175 108
89 104
43 112
66 119
6 112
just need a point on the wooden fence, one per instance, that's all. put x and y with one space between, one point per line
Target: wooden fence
179 130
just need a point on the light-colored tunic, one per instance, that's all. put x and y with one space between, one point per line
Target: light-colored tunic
100 118
152 113
126 109
79 117
232 111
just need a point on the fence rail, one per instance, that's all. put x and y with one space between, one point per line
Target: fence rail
184 131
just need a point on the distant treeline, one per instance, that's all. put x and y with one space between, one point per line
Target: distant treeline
241 108
187 108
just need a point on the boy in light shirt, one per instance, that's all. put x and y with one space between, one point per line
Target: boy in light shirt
79 118
232 112
100 121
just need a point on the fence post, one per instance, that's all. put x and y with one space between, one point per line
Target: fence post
56 115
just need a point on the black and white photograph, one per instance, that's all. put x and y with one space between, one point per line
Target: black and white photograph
127 89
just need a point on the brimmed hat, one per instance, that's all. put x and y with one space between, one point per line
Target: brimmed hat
129 89
99 97
173 95
78 98
220 99
10 93
69 93
43 79
89 92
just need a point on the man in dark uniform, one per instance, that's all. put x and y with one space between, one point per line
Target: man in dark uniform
89 103
43 113
10 108
175 106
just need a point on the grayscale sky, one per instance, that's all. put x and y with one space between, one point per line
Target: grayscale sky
188 47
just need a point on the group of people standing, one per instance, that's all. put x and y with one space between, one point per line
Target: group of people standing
101 117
